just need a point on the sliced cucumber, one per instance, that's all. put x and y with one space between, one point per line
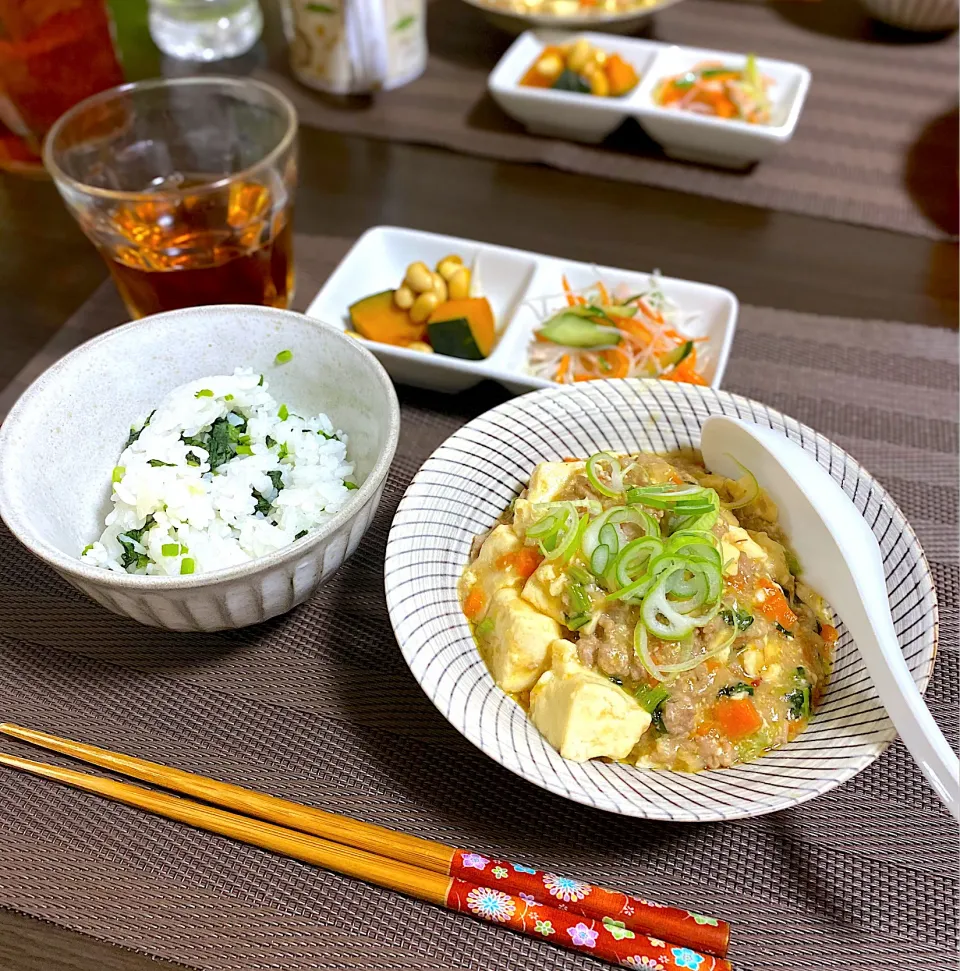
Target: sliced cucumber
678 354
572 330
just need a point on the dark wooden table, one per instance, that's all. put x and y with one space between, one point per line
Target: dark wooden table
48 269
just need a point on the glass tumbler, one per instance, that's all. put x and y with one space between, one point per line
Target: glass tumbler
186 187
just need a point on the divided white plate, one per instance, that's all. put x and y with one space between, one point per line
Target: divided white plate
464 486
518 284
682 134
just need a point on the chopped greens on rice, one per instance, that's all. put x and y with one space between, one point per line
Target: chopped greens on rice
219 474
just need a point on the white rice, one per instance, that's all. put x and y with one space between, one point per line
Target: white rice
211 517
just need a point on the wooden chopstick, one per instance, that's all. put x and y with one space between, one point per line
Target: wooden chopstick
606 940
683 928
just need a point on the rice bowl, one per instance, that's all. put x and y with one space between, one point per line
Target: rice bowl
60 443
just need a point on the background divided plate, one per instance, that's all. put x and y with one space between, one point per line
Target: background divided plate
464 486
508 278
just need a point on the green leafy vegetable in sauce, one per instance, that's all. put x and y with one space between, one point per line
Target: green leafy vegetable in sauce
799 698
783 630
736 617
736 691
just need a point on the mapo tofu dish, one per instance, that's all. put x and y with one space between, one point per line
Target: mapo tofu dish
642 609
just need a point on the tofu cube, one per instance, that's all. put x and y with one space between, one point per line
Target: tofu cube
518 648
544 590
484 571
582 714
549 479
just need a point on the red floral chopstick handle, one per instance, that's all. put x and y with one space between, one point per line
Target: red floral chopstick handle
683 927
604 938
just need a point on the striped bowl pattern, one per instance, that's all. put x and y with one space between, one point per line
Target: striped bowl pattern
464 486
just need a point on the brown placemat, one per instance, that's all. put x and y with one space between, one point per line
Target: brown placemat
318 706
876 144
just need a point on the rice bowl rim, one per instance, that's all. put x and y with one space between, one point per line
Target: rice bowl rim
17 518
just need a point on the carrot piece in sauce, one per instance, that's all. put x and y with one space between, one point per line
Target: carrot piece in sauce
474 604
772 604
524 562
829 633
737 718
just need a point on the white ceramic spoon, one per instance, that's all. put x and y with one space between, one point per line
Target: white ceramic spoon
841 559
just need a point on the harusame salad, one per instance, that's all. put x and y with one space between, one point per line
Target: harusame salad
602 334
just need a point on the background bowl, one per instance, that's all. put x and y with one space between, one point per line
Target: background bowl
917 15
465 485
621 22
61 440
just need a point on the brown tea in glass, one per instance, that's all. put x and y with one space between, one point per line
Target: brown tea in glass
186 188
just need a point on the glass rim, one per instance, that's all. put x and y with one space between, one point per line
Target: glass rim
59 176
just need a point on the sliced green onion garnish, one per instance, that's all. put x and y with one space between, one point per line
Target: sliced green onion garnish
651 696
575 623
723 643
204 393
578 598
283 357
546 525
610 537
613 488
568 539
579 574
170 549
641 648
600 560
665 496
634 559
118 473
748 483
283 413
187 566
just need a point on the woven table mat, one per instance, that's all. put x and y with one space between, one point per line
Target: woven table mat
318 706
876 143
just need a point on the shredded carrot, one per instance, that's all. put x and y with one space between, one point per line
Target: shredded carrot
563 367
474 604
619 361
829 633
604 296
773 605
571 299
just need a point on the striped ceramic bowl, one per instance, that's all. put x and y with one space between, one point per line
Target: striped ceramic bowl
918 15
464 486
